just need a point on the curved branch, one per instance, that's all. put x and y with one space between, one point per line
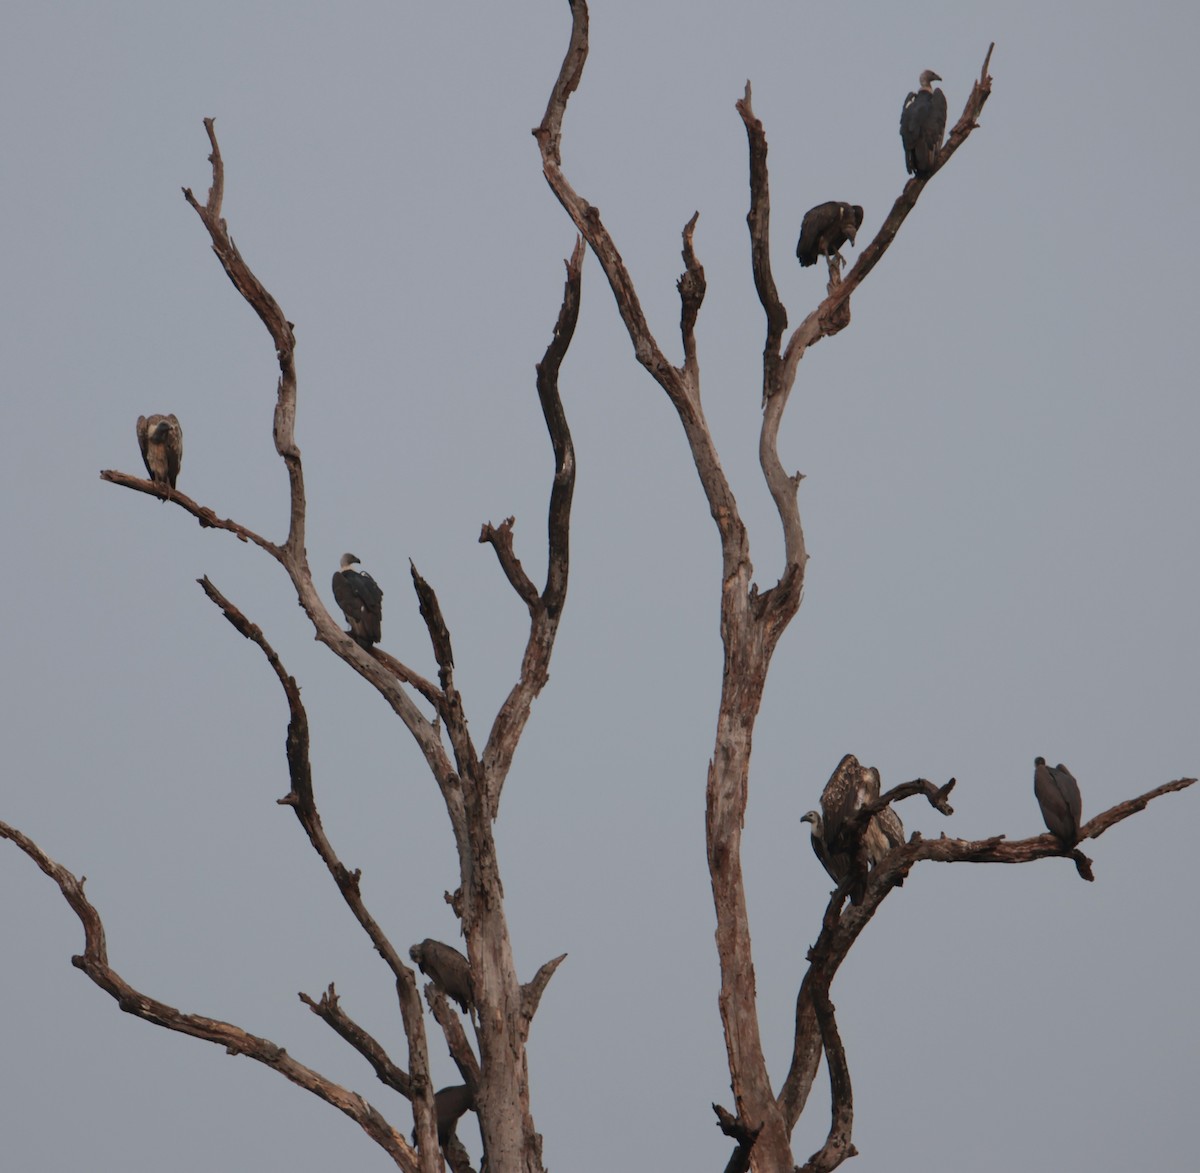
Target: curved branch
280 329
837 1147
202 513
300 798
236 1041
546 608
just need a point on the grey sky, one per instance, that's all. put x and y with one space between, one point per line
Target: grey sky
1000 506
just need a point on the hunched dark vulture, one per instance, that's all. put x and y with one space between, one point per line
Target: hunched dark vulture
922 125
361 601
449 1104
447 968
161 440
825 229
1057 794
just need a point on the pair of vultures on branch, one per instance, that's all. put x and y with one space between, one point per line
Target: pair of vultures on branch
161 440
450 972
850 851
828 226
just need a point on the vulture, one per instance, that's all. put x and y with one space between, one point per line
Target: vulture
361 601
161 440
825 229
449 1103
851 787
922 125
885 830
448 969
1057 794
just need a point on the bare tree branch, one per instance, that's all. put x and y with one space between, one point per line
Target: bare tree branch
545 610
329 1010
236 1041
532 990
300 798
837 1145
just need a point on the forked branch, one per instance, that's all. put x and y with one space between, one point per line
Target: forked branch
236 1041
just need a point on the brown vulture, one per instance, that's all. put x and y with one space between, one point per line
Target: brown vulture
851 787
447 968
825 229
1057 794
161 440
885 830
922 125
361 601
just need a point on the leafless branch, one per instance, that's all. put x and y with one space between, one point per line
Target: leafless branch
236 1041
837 1147
439 633
692 287
532 990
204 515
280 329
300 798
329 1010
545 609
457 1042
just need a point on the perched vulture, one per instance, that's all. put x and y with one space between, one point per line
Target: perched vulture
361 601
851 787
449 1104
885 830
161 440
825 229
838 866
448 969
1057 794
922 125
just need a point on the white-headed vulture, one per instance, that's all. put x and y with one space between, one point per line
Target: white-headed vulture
361 601
922 125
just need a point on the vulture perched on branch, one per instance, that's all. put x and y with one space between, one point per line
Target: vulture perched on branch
1057 794
447 968
851 787
161 440
922 125
361 601
449 1104
825 229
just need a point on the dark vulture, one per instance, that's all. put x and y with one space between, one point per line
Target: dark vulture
449 1104
161 440
1057 794
922 125
361 601
851 787
825 229
447 968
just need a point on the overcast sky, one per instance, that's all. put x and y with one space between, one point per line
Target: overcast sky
1000 503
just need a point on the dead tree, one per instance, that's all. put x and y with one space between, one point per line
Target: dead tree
493 1003
471 780
752 622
